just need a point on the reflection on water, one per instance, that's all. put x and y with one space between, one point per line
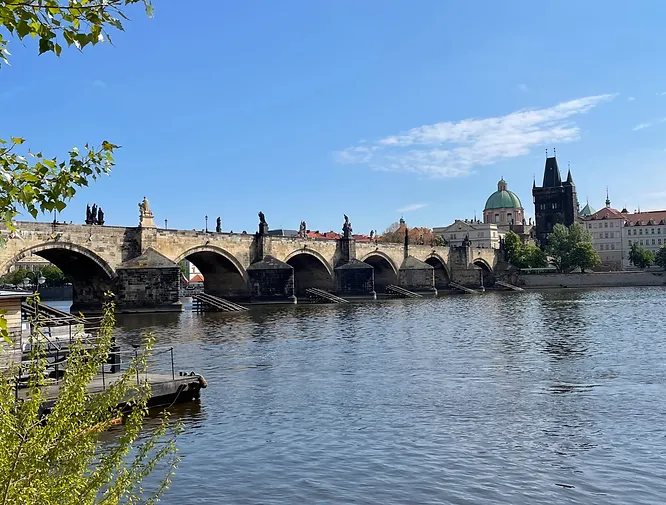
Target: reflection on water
512 398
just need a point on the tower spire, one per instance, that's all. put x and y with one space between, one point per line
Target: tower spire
608 202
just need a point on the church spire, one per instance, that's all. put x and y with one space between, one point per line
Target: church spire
569 177
607 199
551 173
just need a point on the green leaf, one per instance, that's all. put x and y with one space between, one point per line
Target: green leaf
16 140
45 45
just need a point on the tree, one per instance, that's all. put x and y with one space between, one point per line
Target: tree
584 256
640 257
438 240
514 249
16 277
28 179
59 459
53 275
562 243
523 255
660 257
536 258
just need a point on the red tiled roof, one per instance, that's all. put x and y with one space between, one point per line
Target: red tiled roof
644 217
330 235
197 278
607 213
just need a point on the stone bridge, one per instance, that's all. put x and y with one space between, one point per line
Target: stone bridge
139 264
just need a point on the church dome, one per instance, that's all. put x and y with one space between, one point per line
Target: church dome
503 198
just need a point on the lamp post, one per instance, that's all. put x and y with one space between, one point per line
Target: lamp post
206 223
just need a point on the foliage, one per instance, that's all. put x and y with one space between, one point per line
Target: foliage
523 255
660 257
563 242
54 22
395 234
640 257
61 458
438 240
29 179
15 278
584 256
184 269
52 274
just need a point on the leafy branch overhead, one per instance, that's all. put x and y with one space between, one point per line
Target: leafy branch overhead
30 180
54 22
40 184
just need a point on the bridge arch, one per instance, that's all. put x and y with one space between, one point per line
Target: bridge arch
223 274
442 271
486 271
58 252
311 270
90 274
386 272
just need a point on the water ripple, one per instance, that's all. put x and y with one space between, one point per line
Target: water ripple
532 398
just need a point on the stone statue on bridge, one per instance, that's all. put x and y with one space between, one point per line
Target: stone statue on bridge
303 230
88 215
346 228
146 218
263 225
93 214
100 217
218 225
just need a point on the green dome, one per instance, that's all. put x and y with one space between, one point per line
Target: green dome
503 198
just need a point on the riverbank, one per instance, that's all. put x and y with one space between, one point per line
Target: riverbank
589 280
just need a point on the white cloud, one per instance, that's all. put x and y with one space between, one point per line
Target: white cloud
648 124
631 99
412 207
523 87
99 83
451 149
662 93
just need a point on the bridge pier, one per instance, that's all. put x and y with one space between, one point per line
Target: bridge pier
271 281
148 283
353 278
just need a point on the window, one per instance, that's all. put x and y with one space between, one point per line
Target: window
634 231
606 225
652 241
613 247
659 241
629 241
497 218
658 231
606 235
612 234
652 231
640 232
641 242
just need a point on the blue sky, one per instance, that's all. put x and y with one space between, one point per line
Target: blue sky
308 110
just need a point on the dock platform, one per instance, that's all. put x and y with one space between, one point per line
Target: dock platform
166 389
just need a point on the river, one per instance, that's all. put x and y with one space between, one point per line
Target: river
506 398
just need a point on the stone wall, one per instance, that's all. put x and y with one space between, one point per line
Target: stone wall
148 289
589 280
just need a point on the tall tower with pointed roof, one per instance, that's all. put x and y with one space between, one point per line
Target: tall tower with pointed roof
554 201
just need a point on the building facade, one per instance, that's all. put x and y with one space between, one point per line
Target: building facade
554 201
647 229
503 207
606 227
480 235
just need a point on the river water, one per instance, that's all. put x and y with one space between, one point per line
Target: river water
511 398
